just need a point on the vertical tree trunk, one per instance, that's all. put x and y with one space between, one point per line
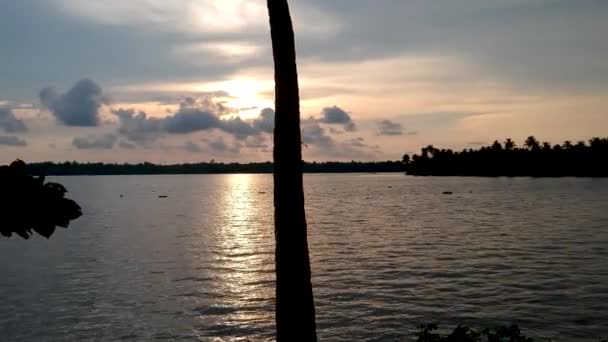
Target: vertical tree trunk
295 311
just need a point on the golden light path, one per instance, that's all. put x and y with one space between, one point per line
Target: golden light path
245 239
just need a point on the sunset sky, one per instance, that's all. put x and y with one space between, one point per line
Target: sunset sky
191 80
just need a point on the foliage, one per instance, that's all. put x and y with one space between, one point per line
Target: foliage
534 159
74 168
427 333
29 204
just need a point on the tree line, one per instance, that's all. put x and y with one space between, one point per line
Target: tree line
534 159
75 168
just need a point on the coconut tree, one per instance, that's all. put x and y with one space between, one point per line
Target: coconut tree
532 143
295 311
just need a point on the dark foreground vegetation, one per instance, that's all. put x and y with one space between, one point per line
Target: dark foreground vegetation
75 168
428 333
534 159
30 205
512 333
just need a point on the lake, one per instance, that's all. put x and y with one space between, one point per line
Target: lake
388 253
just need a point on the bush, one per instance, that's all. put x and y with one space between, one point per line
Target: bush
427 333
31 205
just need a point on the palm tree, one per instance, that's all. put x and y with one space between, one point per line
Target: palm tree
496 146
567 145
295 311
531 143
428 151
509 144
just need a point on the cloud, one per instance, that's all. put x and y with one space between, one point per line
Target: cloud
336 115
189 120
105 142
78 107
190 146
387 127
9 123
126 145
238 128
357 142
265 122
314 134
257 141
219 145
192 116
11 140
136 126
319 143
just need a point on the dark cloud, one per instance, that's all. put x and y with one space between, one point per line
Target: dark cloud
9 123
105 142
238 127
337 116
136 126
265 122
387 127
314 134
78 107
189 120
357 142
500 35
192 116
11 140
316 138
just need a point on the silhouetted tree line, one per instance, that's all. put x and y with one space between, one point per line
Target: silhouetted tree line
533 159
30 205
75 168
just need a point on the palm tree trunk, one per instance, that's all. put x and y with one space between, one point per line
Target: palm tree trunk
295 311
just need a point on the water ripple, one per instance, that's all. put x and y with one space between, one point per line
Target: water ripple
388 252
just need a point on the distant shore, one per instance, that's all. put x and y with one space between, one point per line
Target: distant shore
99 169
535 159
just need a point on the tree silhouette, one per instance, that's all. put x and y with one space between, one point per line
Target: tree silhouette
295 312
31 205
531 143
496 146
536 160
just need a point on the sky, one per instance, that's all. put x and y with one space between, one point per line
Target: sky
191 80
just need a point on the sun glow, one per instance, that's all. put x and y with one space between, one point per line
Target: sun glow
246 95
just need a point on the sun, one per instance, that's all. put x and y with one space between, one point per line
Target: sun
246 95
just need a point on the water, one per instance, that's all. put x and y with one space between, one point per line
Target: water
388 252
